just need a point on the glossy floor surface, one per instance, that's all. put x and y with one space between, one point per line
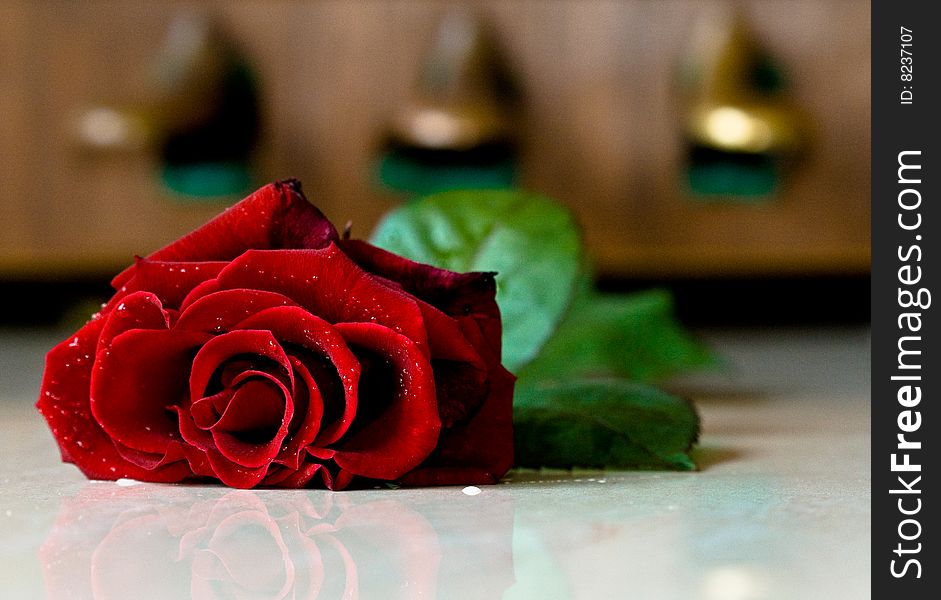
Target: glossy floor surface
779 510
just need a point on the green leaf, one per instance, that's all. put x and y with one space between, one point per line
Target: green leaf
633 336
531 242
602 423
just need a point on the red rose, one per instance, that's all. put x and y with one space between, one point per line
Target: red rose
263 350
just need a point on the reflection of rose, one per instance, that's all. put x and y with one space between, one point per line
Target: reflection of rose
263 350
127 543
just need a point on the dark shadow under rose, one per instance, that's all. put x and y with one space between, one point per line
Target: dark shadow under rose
147 542
262 350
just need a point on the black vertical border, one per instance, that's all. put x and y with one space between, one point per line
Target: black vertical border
898 127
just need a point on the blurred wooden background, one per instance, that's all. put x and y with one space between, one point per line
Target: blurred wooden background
601 126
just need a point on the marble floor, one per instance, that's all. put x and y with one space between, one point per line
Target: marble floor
779 510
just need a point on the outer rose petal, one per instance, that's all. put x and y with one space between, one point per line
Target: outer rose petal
456 294
276 216
406 432
329 285
478 451
64 402
169 281
481 449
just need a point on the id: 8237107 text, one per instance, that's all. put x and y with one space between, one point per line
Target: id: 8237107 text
906 58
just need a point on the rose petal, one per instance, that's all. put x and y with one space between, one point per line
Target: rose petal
203 289
445 338
64 403
228 345
259 407
276 216
329 285
437 476
207 410
460 372
169 281
191 433
138 310
136 380
176 451
308 413
284 477
453 293
460 295
461 390
232 474
479 450
292 324
406 431
223 310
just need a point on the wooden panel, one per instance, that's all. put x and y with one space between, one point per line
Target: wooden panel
601 125
17 120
